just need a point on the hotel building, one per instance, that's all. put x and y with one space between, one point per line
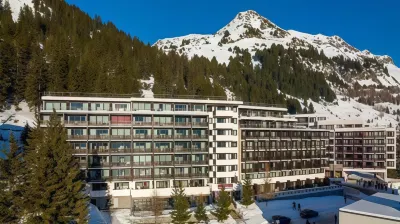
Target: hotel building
135 148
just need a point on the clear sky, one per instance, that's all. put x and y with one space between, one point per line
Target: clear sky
365 24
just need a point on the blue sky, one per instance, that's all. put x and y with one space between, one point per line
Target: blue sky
365 24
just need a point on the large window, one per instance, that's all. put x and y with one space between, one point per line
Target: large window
100 106
55 105
141 106
79 106
121 186
180 107
121 107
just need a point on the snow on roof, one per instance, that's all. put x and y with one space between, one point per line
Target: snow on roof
378 205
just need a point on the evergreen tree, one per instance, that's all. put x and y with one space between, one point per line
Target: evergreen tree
54 186
247 192
180 213
224 201
200 213
11 182
25 134
311 108
387 110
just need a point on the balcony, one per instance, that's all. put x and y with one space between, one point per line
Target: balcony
199 136
121 151
248 159
162 136
162 176
182 136
182 162
200 162
143 177
77 137
75 123
163 163
199 175
163 124
199 124
141 123
121 164
100 137
182 175
119 137
99 165
142 150
142 163
182 150
183 124
79 151
99 151
196 150
121 177
141 136
121 123
98 123
163 150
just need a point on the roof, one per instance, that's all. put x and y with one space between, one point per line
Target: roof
380 205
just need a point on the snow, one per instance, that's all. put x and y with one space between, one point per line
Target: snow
147 90
379 205
327 207
16 6
18 117
367 82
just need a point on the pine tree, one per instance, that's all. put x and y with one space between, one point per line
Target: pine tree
311 108
25 134
224 201
200 213
55 190
11 182
180 213
247 192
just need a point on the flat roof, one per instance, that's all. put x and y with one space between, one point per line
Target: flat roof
380 205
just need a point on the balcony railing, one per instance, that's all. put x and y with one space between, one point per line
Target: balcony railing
162 176
142 150
182 162
120 137
121 177
77 137
79 151
141 136
200 162
183 124
199 124
140 123
199 136
199 175
143 177
142 164
162 150
102 164
122 164
162 136
75 123
99 123
99 136
121 123
121 151
98 151
156 123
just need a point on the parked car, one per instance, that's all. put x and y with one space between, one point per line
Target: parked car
282 219
308 213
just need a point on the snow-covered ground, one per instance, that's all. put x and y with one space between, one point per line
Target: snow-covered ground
18 117
262 212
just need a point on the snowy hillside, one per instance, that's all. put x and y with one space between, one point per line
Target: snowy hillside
18 117
16 6
249 30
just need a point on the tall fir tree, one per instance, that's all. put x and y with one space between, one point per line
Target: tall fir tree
200 213
223 202
247 192
11 183
180 213
56 186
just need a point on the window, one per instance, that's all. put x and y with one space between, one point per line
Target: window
390 163
221 120
221 156
78 106
233 168
122 185
222 132
162 184
234 144
222 144
121 107
390 156
221 180
221 108
234 120
180 107
234 132
390 141
233 155
221 168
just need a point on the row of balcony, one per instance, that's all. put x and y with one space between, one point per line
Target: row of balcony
382 159
358 166
263 148
287 157
140 164
281 136
140 150
149 177
133 123
360 151
287 167
121 137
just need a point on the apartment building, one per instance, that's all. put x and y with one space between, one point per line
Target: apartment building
275 149
135 148
355 146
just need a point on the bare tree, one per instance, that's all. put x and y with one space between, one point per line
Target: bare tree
268 192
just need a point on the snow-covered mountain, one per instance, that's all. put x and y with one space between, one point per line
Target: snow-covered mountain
249 30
